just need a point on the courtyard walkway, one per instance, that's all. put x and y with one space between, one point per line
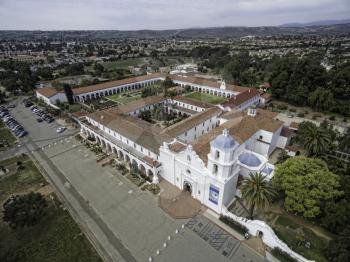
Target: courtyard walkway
177 203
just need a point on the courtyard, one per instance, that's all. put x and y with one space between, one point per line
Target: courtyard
126 97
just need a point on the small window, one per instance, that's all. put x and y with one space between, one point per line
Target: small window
185 133
134 145
215 169
217 155
195 128
188 159
188 171
260 137
141 149
199 192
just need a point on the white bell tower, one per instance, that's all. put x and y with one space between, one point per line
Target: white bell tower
220 158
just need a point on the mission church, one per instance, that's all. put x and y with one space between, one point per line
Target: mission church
207 153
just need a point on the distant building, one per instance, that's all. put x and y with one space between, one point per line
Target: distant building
51 96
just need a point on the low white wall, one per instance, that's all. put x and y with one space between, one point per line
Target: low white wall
269 236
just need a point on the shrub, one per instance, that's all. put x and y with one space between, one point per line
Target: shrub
282 107
233 224
332 118
24 210
152 188
282 256
136 180
345 120
78 137
292 110
301 115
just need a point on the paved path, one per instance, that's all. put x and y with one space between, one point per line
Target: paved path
54 174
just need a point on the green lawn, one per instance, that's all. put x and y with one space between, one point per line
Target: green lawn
1 124
6 137
125 98
206 98
56 238
289 232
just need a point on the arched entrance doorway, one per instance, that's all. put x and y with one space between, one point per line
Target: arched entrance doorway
187 187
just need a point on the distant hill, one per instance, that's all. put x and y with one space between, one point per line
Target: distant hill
318 23
190 33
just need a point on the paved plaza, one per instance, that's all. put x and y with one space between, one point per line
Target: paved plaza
133 215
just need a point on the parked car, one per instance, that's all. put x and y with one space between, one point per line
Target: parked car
61 129
39 120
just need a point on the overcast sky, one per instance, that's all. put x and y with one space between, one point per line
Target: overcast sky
163 14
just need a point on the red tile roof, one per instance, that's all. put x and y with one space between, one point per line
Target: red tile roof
47 91
241 98
106 85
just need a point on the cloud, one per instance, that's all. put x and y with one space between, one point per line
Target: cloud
163 14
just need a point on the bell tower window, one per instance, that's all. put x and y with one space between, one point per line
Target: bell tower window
215 168
217 154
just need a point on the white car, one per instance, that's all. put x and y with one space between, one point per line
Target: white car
60 129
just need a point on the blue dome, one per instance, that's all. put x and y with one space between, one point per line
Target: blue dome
224 141
249 159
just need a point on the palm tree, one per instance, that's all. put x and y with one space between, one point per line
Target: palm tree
257 192
317 141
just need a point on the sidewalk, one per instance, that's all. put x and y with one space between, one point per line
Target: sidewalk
211 215
215 218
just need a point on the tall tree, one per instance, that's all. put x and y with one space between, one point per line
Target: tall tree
69 93
306 184
315 140
257 192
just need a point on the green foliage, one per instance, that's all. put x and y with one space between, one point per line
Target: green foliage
315 140
306 184
69 93
146 116
257 192
17 75
24 210
303 81
282 256
339 249
233 224
335 215
149 91
321 99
